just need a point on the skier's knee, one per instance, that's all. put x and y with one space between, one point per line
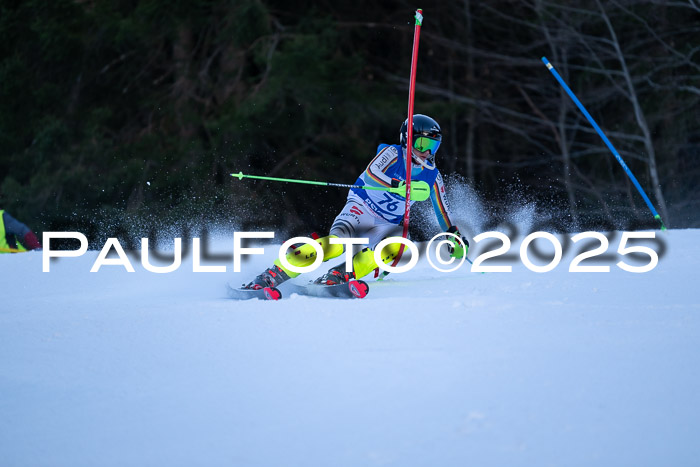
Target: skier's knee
330 251
363 262
302 255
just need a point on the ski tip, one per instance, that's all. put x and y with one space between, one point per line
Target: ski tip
359 289
271 293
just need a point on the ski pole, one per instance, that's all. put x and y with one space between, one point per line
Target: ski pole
419 192
606 140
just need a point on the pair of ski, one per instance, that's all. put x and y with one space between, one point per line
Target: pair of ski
350 289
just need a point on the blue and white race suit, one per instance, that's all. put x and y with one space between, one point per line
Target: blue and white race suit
378 214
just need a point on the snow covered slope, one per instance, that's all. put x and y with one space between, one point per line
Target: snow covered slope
115 368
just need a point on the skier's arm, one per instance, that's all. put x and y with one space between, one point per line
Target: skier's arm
376 170
438 196
21 231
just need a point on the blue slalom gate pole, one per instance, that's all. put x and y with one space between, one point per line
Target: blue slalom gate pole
606 140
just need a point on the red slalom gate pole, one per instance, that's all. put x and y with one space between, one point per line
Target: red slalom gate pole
409 139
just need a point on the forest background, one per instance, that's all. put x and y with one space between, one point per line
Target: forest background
119 118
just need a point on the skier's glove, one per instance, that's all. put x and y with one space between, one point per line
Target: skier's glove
420 190
396 183
456 249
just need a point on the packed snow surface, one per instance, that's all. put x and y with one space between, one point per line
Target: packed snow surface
559 368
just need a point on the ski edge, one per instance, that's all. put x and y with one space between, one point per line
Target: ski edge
267 293
351 289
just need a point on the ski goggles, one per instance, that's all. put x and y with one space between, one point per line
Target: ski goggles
423 143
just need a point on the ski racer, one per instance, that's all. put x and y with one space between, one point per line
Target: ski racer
376 215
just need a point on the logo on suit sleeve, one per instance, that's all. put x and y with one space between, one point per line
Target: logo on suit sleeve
356 210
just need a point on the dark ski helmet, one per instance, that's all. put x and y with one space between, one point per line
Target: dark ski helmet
426 134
